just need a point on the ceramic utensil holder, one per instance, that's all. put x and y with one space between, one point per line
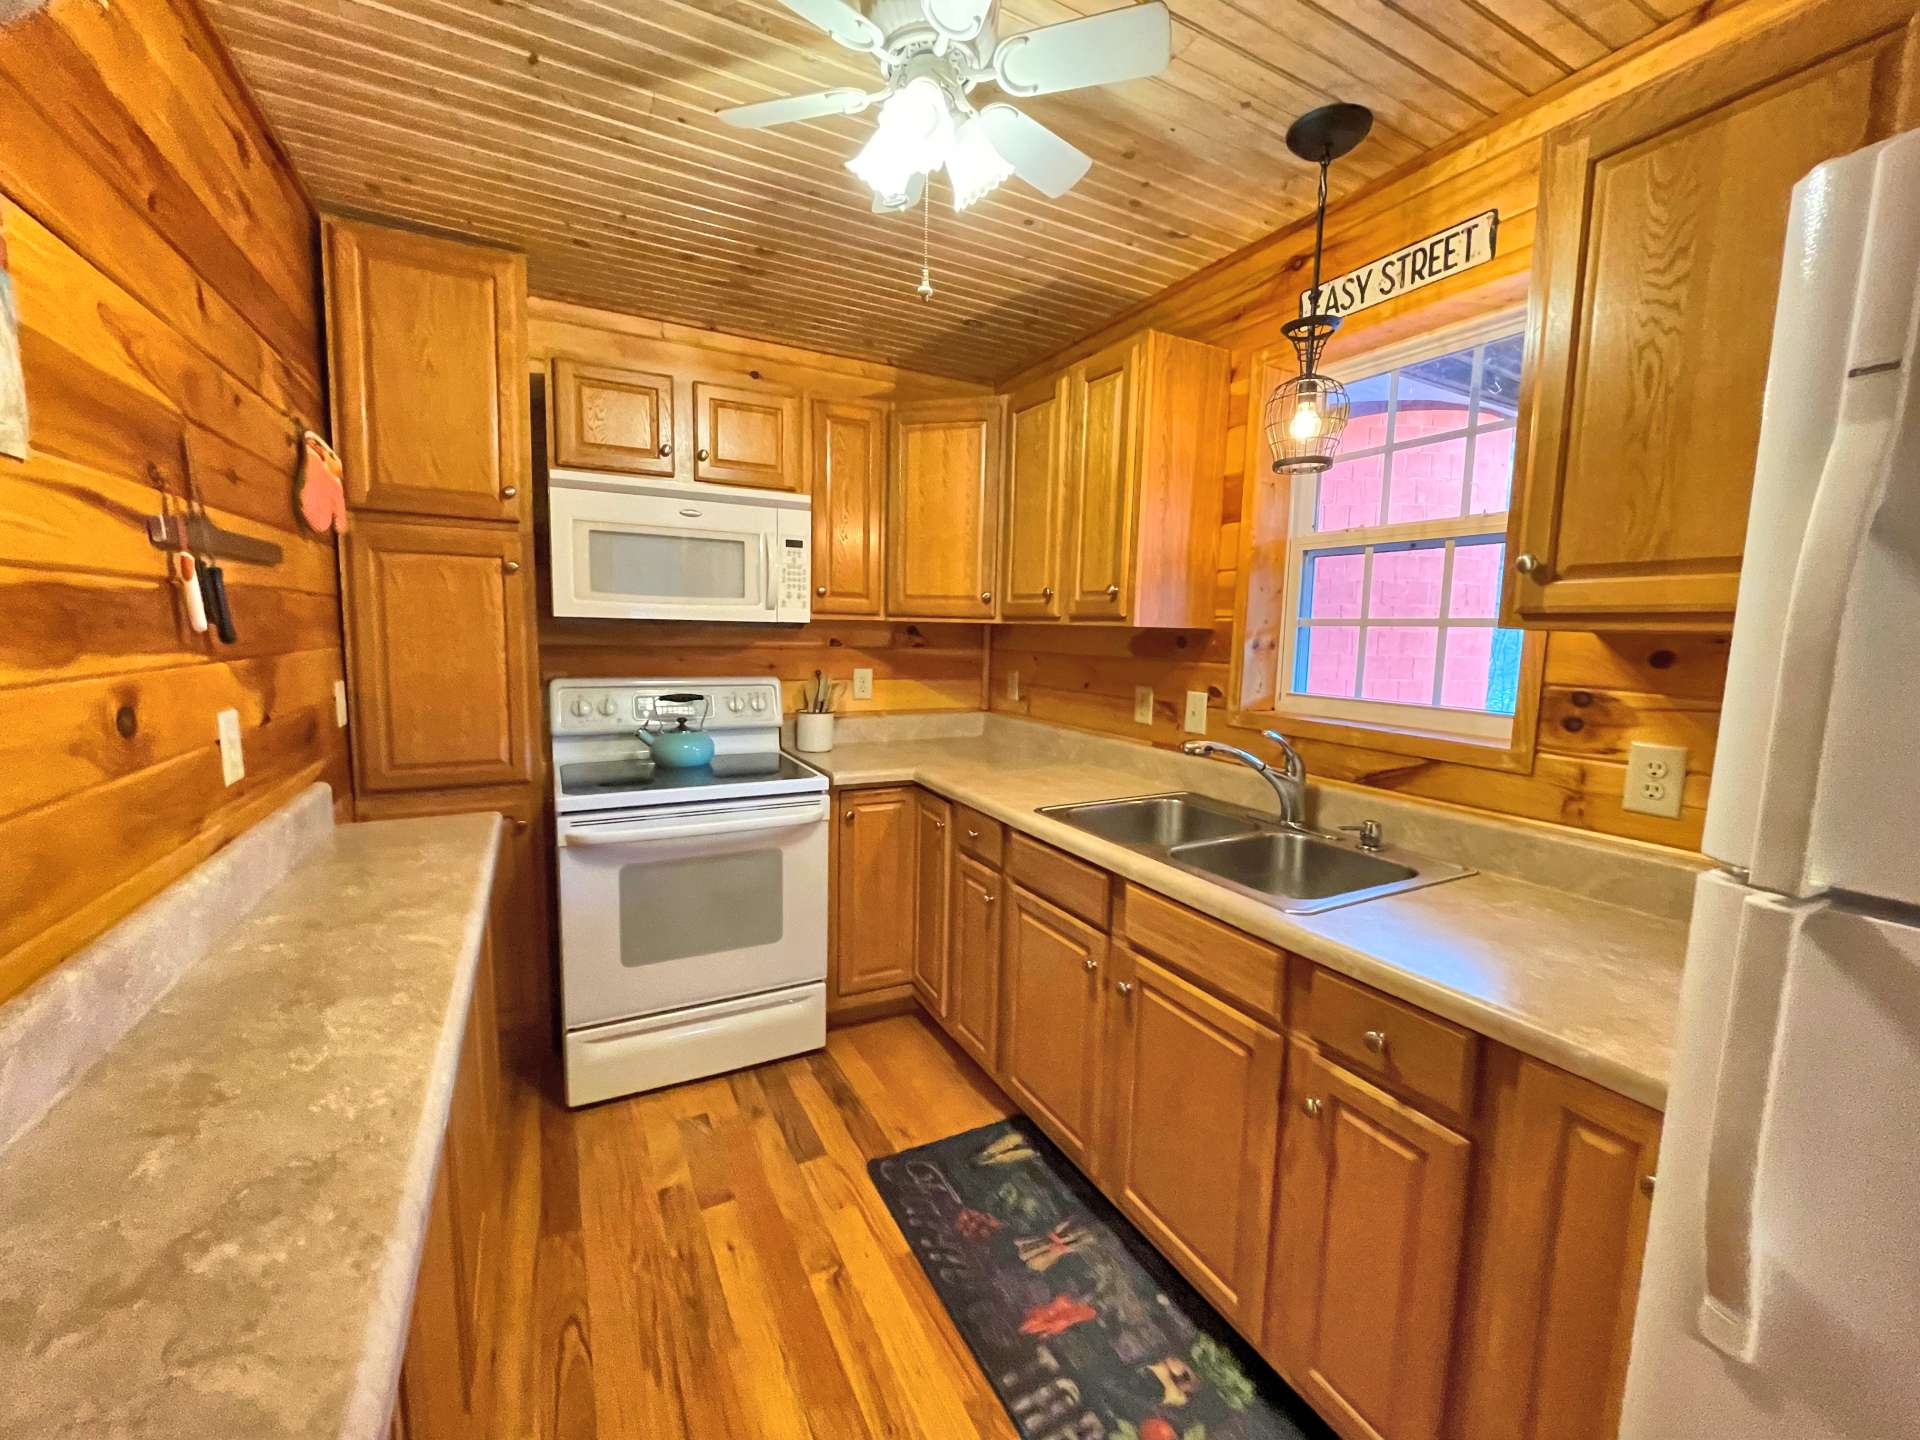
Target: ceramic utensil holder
813 730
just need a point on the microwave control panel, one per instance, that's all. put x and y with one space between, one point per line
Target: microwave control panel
792 598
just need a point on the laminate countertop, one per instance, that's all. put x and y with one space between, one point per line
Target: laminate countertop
215 1231
1586 985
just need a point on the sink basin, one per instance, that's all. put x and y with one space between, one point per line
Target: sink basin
1160 822
1289 866
1297 871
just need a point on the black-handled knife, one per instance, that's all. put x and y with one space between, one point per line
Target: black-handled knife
218 611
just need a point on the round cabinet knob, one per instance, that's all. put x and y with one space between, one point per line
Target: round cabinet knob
1376 1041
1647 1184
1046 592
512 567
939 824
1526 564
1090 965
666 451
509 492
701 453
1125 987
987 899
848 817
986 597
973 834
1312 1106
820 590
1113 592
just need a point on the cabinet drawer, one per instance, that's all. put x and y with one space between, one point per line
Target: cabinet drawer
1217 956
1073 885
978 836
1391 1041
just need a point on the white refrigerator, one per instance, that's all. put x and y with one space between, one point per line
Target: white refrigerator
1781 1294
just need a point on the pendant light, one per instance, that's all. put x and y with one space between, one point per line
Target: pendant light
1307 415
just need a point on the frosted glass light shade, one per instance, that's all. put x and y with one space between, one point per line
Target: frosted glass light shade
914 137
974 168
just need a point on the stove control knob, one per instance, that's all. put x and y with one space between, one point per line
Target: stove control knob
582 706
609 707
736 704
759 702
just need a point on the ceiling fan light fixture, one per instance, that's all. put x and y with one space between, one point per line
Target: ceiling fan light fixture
914 137
974 168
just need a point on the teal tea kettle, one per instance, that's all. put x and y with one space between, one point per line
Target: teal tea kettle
686 744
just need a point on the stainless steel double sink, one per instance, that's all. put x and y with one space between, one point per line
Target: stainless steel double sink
1297 871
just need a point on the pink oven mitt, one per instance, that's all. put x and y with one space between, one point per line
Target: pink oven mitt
319 488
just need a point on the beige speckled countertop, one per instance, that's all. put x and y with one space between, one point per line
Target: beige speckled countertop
1584 984
214 1232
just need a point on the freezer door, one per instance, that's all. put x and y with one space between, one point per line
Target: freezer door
1781 1293
1829 470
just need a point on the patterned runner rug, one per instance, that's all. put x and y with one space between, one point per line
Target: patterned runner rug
1084 1331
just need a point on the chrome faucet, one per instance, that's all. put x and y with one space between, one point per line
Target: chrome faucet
1289 782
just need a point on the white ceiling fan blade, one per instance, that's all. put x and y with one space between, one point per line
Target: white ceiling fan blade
842 21
957 19
790 108
1037 155
1125 44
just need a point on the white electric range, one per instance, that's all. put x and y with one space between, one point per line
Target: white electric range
693 902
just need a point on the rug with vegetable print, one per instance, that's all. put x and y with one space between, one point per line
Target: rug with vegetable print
1084 1331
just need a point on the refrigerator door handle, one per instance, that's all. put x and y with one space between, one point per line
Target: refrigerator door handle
1731 1308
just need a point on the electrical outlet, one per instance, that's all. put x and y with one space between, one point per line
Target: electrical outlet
1196 712
863 682
340 703
1013 685
233 764
1143 705
1656 776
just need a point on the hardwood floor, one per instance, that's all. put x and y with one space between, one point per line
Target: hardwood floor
710 1261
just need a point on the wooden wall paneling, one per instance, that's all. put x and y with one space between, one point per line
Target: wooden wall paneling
162 257
848 481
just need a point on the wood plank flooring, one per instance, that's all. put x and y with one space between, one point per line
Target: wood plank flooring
710 1261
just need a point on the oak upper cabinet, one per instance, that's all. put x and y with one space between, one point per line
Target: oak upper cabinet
1195 1088
943 509
1367 1253
1548 1313
1661 224
973 964
426 341
1051 1042
848 481
608 418
747 436
874 942
1030 576
933 911
437 646
1146 457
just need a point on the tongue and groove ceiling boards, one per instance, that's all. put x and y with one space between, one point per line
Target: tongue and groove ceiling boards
583 132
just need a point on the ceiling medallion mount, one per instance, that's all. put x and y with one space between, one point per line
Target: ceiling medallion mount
1307 415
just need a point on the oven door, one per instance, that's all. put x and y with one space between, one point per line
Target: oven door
672 907
640 556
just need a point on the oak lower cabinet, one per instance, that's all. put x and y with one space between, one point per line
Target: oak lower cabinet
943 509
1051 1017
1194 1087
874 873
973 967
1548 1314
1370 1229
933 909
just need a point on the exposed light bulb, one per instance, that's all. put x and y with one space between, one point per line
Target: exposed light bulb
1307 421
974 168
914 137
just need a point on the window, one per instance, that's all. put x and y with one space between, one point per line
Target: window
1395 555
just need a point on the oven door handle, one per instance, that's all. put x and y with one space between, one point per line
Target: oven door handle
692 828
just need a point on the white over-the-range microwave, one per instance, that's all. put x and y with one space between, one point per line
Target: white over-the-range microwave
628 548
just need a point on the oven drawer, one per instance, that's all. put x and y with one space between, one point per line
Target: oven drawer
634 1055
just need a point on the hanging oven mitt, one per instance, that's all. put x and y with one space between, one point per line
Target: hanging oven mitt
320 488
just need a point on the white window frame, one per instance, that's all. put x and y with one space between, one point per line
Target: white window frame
1476 726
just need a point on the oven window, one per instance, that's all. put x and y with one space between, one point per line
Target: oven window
677 909
683 567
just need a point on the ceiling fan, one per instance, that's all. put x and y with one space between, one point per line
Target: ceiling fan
932 55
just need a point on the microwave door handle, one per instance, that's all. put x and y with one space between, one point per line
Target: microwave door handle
690 829
766 565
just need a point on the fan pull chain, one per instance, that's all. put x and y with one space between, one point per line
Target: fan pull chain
925 290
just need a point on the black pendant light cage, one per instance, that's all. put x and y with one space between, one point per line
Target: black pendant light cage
1307 415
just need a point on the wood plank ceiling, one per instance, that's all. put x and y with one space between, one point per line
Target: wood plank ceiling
582 131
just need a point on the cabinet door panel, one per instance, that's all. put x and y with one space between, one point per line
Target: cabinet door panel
437 625
427 346
874 872
973 1001
747 437
1036 478
1196 1104
943 509
932 910
1662 220
1101 495
606 418
1050 1016
1367 1253
849 482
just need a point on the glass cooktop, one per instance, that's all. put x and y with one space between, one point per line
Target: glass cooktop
639 773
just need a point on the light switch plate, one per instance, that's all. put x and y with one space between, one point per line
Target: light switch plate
233 765
340 703
1143 705
1196 712
863 682
1013 684
1656 776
